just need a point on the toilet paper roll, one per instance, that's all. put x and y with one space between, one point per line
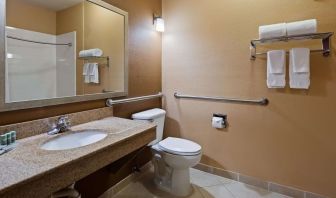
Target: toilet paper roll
218 122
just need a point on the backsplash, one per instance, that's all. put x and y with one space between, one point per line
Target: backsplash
36 127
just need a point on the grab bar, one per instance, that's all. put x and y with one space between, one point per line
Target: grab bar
262 101
110 102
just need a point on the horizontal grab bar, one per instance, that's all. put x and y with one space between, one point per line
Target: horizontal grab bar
262 101
110 102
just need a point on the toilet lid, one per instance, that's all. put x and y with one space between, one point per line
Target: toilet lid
180 146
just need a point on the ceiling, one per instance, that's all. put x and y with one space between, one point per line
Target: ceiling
55 5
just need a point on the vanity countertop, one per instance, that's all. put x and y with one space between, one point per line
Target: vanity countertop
30 166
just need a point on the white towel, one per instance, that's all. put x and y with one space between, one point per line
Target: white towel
91 52
302 27
94 73
276 69
299 68
86 70
273 30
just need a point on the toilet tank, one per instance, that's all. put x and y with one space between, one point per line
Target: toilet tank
156 116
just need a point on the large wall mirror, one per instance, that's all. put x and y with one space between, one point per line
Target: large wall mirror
56 52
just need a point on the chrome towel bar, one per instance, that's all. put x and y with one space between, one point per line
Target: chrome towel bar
262 101
110 102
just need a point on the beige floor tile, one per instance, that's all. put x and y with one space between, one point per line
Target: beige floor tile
145 188
203 179
218 191
240 190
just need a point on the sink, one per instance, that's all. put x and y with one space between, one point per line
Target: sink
74 140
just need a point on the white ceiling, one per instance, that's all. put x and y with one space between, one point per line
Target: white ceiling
55 5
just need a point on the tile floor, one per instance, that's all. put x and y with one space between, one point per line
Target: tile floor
204 185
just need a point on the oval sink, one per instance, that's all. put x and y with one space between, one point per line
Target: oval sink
74 140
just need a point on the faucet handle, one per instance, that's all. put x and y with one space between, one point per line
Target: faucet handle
63 123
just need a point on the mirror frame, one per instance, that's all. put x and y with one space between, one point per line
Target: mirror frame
55 101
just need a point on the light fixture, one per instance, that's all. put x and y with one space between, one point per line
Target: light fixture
159 23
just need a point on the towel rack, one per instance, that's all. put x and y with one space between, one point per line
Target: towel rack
87 58
262 101
325 37
110 102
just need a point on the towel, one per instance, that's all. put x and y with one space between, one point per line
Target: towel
273 30
86 70
302 27
276 69
94 73
299 68
91 52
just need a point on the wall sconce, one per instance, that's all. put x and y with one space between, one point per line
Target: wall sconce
159 23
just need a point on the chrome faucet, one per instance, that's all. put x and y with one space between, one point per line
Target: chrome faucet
62 125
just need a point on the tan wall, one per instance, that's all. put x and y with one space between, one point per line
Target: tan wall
107 34
144 79
206 52
24 15
69 20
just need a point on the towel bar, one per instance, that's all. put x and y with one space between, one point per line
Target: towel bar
262 101
110 102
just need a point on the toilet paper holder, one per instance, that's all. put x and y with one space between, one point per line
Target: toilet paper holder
224 116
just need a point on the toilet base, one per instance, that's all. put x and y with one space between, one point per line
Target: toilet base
180 183
172 172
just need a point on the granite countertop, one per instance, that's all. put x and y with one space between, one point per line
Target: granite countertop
29 162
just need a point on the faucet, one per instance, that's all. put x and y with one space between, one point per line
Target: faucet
62 125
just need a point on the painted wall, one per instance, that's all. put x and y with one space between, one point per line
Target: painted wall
144 78
206 52
107 34
24 15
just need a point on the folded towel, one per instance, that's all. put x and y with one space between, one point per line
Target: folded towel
302 27
91 52
276 69
94 73
86 70
299 68
301 60
274 30
276 61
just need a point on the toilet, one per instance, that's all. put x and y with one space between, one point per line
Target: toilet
172 157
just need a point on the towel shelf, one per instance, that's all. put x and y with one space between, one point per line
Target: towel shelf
88 58
325 37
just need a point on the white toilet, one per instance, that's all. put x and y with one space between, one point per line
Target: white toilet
172 157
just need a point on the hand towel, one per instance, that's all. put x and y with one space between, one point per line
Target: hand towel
301 27
273 30
299 68
276 69
276 61
94 73
91 52
86 70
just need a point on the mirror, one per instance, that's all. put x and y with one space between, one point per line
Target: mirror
63 51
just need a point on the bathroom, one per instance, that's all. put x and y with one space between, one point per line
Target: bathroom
201 65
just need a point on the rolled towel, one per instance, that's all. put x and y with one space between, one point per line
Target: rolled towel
91 52
273 30
276 69
302 27
299 68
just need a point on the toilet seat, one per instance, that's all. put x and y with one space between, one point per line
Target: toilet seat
179 146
